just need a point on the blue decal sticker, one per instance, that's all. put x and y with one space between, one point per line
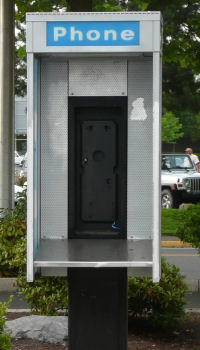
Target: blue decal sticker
93 33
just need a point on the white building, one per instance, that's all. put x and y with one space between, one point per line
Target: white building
21 124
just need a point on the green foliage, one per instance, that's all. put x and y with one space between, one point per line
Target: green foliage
171 128
181 55
158 304
5 339
37 6
181 97
190 124
21 181
161 304
109 6
21 7
195 131
181 29
46 295
181 59
171 220
189 229
13 239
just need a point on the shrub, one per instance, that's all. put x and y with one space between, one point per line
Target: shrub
158 304
13 239
46 295
189 229
21 181
5 339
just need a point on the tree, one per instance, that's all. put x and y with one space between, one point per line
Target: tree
20 61
188 230
181 97
181 29
109 5
47 6
181 51
181 22
80 5
171 128
20 47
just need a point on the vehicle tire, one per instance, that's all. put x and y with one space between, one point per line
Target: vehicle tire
168 201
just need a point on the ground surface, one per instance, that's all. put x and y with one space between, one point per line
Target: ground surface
185 337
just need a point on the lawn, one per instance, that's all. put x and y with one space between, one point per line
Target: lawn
171 219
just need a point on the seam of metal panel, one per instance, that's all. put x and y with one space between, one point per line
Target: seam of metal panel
92 264
39 151
92 13
30 196
82 16
35 152
68 87
156 167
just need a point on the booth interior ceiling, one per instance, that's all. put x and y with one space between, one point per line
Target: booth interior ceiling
99 76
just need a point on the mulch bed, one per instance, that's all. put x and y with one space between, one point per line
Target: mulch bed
186 336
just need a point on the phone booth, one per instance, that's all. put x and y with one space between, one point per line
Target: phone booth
94 105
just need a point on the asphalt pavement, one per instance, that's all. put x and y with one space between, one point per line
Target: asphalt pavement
17 302
19 305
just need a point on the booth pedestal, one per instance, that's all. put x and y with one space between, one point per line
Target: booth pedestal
97 308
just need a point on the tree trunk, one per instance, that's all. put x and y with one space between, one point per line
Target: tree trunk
6 103
80 5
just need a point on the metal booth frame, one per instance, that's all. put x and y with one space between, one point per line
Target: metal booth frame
139 253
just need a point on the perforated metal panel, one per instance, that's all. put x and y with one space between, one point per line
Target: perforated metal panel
98 77
140 148
54 148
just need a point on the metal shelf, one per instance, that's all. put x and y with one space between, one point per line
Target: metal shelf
94 253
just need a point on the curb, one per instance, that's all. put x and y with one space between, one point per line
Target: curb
193 285
8 284
192 310
175 244
27 311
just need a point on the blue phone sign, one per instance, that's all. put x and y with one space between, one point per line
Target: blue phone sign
116 33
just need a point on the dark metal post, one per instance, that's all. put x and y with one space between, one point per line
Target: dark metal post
6 103
97 308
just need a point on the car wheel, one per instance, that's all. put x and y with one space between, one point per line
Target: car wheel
167 200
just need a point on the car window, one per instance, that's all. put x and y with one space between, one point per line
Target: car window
176 162
166 164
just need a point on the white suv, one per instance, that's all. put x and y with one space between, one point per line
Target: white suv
180 180
18 159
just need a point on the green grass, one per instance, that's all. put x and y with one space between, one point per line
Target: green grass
171 219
